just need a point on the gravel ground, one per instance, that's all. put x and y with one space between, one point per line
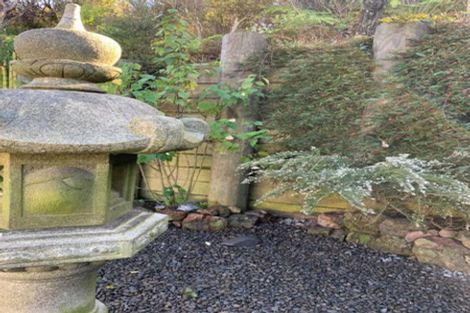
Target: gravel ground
289 271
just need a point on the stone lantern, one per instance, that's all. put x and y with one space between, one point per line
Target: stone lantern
68 161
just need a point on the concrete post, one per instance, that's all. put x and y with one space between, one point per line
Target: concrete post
392 39
225 187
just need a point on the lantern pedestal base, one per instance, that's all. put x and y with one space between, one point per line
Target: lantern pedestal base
59 289
54 270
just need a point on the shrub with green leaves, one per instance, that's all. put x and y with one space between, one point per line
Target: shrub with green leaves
173 88
6 48
399 10
288 20
394 182
438 68
401 122
321 97
403 142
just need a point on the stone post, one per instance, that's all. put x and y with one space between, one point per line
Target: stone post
392 39
225 186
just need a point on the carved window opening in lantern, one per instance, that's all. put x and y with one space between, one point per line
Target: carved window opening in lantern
123 181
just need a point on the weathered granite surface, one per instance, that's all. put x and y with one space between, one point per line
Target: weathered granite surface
55 121
392 39
66 289
74 57
69 41
122 238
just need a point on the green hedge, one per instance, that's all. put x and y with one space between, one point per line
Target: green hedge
328 99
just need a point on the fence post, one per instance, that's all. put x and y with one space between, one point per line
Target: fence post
4 76
225 185
10 77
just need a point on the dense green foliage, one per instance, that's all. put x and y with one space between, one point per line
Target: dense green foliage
406 123
425 7
321 98
400 142
173 88
438 68
6 48
135 29
343 110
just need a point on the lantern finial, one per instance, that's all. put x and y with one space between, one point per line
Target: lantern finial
66 57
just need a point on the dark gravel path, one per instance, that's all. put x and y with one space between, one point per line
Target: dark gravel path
289 271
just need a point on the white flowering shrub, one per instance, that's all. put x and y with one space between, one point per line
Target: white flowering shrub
394 181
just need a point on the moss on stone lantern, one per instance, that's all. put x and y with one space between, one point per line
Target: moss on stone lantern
68 157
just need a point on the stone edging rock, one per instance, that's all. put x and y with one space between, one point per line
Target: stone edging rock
447 248
214 218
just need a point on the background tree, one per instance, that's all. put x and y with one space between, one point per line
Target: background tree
222 15
339 8
134 29
371 12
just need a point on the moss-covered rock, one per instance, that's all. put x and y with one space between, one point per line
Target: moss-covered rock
200 222
242 221
391 244
319 231
339 234
361 223
359 238
217 223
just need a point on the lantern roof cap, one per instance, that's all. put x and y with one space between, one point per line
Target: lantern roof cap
66 57
55 121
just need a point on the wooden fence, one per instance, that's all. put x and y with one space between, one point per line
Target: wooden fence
187 162
8 78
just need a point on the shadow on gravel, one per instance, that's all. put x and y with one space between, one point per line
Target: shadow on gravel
287 271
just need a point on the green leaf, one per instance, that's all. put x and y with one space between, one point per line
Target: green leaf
209 107
395 3
146 158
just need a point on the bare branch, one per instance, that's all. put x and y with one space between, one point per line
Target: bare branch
236 24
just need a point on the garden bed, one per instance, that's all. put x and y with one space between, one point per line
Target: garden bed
287 271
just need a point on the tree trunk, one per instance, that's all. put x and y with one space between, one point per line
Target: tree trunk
371 12
225 184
